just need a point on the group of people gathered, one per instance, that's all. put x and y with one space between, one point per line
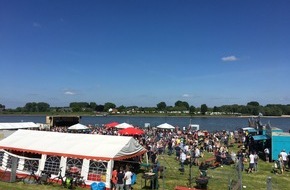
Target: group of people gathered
122 179
190 146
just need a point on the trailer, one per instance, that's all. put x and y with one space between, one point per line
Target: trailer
279 141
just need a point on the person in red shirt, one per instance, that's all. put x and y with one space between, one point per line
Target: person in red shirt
114 179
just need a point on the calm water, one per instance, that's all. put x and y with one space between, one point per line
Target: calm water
210 123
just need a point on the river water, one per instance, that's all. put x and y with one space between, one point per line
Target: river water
205 123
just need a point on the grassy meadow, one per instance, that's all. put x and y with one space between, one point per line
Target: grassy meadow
219 177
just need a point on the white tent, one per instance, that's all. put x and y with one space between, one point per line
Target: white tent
123 126
78 126
20 125
165 126
89 146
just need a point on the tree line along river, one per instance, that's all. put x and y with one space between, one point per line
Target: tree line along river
205 123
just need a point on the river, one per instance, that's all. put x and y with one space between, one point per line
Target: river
206 123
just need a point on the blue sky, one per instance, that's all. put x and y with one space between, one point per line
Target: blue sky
142 52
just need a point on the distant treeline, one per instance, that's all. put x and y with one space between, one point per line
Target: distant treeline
180 107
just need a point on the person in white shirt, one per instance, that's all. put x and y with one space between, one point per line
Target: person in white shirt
186 148
284 158
127 178
182 159
267 153
197 155
252 162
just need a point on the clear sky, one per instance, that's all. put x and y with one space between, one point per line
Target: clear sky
142 52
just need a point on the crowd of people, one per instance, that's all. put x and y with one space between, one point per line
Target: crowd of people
189 146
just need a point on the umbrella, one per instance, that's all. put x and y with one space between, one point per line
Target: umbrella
165 126
131 131
124 126
111 125
78 126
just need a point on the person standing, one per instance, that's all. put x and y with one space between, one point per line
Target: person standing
256 158
182 160
120 179
280 161
177 151
170 148
114 179
197 155
127 178
240 158
154 181
267 153
252 163
284 158
154 157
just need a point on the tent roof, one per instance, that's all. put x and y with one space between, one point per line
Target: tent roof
89 146
111 125
77 126
165 126
131 131
124 126
20 125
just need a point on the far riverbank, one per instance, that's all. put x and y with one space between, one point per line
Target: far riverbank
205 123
138 115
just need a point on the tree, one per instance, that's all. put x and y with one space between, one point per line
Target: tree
203 109
19 109
244 110
36 107
272 110
192 110
181 104
76 108
253 103
185 104
93 105
121 108
161 106
83 104
109 105
178 103
100 108
31 107
254 110
79 106
43 107
215 109
2 107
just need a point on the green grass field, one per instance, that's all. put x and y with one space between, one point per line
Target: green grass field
219 177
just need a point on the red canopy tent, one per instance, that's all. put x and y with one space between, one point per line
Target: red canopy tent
131 131
111 125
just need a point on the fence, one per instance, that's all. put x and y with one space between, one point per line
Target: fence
10 163
235 178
